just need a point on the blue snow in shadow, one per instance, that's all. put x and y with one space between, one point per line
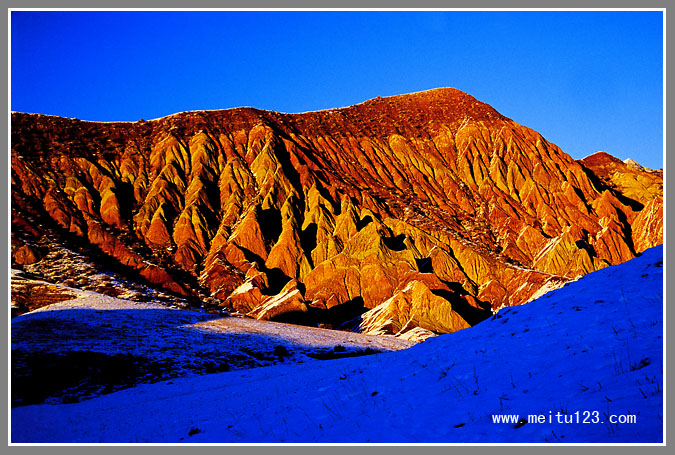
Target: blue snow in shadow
590 353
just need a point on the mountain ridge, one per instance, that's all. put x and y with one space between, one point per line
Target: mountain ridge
305 214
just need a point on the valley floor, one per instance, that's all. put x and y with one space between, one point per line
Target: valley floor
94 344
590 353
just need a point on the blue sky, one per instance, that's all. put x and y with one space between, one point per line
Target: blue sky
587 81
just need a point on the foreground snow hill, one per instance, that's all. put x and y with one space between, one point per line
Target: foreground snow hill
589 354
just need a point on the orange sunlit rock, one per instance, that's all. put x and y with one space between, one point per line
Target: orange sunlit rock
421 203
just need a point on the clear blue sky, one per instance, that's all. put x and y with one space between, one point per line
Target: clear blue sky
587 81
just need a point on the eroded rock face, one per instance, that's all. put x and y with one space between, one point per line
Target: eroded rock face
641 188
289 300
415 306
628 178
432 190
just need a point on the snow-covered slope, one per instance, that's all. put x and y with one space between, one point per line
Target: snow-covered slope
591 351
93 344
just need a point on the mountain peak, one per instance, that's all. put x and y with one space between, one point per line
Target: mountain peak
435 94
635 165
445 103
601 158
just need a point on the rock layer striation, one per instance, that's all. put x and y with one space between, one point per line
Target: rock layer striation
418 212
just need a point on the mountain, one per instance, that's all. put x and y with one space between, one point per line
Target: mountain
588 356
412 214
642 189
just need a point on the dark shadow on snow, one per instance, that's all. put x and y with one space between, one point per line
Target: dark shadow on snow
66 358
